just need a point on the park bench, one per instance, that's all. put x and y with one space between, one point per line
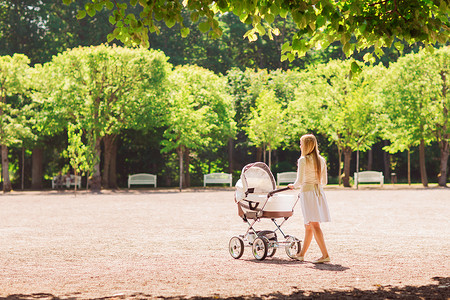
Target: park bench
217 178
141 178
286 177
67 181
369 176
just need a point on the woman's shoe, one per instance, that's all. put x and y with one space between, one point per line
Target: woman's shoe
322 260
300 258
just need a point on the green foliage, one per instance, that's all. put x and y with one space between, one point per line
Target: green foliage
104 89
374 23
266 125
200 112
15 120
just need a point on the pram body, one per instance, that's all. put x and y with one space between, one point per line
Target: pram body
257 198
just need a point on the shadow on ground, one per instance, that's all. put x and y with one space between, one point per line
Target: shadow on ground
441 290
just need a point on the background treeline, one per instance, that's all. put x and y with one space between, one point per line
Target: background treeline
205 105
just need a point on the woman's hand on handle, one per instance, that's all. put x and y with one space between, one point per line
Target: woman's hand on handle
291 186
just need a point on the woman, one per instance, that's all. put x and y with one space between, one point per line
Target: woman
311 176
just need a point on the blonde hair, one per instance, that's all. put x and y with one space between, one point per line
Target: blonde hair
310 147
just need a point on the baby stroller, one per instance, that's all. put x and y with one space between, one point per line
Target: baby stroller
256 197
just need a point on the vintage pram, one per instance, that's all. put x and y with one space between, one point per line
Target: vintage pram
256 197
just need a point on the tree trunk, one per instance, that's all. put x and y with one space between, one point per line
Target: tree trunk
113 166
37 158
264 153
387 163
187 161
347 160
339 168
442 177
23 170
370 160
444 147
258 154
270 159
7 187
423 170
230 155
108 142
180 157
409 167
96 180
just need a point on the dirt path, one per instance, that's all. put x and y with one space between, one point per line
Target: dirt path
383 244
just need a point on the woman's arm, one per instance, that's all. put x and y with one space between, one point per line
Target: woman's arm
323 173
300 172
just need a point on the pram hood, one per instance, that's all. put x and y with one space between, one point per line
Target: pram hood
255 178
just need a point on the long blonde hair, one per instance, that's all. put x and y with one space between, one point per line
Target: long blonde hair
310 146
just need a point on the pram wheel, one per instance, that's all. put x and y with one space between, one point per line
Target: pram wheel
293 247
236 247
271 252
271 236
260 248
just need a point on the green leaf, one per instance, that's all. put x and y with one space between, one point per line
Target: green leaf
204 27
399 46
185 31
356 69
261 29
67 2
112 20
81 14
109 5
91 12
170 22
321 21
269 18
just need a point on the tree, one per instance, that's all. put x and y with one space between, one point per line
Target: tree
266 126
14 125
343 109
199 113
416 103
105 89
319 22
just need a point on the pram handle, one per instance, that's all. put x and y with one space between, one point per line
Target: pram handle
270 194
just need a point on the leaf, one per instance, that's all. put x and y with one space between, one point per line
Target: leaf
170 22
320 21
185 31
112 20
203 27
109 5
269 18
81 14
356 69
261 29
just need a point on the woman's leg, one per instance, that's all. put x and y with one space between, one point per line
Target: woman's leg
318 235
307 240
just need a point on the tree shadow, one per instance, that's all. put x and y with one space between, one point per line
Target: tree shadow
441 290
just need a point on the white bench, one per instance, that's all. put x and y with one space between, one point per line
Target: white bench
286 177
217 178
66 181
141 178
369 176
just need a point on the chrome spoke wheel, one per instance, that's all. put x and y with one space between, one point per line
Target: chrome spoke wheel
293 247
260 248
236 247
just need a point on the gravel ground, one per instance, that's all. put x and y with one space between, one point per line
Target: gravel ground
384 244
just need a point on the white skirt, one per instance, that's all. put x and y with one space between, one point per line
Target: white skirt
314 204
